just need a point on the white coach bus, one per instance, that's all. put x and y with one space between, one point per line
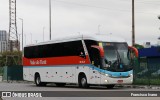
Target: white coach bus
83 59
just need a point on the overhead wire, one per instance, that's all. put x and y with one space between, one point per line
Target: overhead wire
109 9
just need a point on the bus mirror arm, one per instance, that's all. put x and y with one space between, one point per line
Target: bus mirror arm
134 50
100 49
83 56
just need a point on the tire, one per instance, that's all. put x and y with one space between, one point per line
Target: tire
38 81
110 86
83 82
60 84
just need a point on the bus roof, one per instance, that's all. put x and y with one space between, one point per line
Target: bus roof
96 37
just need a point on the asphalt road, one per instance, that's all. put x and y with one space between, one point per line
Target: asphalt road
22 86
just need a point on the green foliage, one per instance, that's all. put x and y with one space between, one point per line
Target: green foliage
138 46
147 81
147 72
10 58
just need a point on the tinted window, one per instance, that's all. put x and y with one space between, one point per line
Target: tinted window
89 43
73 48
93 53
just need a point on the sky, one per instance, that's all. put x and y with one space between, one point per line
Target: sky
85 17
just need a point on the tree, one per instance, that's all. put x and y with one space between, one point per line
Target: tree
138 46
10 58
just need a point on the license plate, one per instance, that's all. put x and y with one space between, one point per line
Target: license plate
120 81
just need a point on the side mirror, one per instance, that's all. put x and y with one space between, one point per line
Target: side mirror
100 50
134 50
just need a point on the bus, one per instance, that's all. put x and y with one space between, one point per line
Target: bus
80 59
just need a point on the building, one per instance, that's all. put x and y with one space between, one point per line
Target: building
6 44
147 45
3 40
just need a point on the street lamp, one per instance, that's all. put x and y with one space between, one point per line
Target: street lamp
19 40
99 29
22 34
43 33
31 38
50 19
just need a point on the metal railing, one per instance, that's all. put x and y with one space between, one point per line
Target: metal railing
147 71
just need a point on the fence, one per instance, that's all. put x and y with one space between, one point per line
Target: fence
13 72
147 71
1 71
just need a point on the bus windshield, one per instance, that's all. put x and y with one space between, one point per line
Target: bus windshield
116 56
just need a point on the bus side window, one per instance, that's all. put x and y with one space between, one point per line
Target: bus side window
95 57
93 53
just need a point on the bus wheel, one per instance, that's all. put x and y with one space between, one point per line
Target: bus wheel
83 82
110 86
60 84
38 81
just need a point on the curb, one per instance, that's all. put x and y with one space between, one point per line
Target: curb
142 86
14 81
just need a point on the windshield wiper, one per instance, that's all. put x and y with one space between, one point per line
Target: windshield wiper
119 58
118 62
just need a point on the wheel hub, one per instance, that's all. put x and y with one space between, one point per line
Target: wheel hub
83 81
38 80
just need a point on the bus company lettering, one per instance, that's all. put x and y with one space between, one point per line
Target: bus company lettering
38 62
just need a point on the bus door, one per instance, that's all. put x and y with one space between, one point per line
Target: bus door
95 76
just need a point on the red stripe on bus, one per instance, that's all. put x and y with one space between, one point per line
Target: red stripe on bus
69 60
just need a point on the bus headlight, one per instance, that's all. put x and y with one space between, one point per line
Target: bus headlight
107 75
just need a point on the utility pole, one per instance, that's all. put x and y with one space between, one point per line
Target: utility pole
25 38
19 37
159 28
133 25
43 33
13 35
50 19
19 43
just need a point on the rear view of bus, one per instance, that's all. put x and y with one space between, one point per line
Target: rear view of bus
84 60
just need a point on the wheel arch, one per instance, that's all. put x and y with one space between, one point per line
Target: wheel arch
81 74
36 74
